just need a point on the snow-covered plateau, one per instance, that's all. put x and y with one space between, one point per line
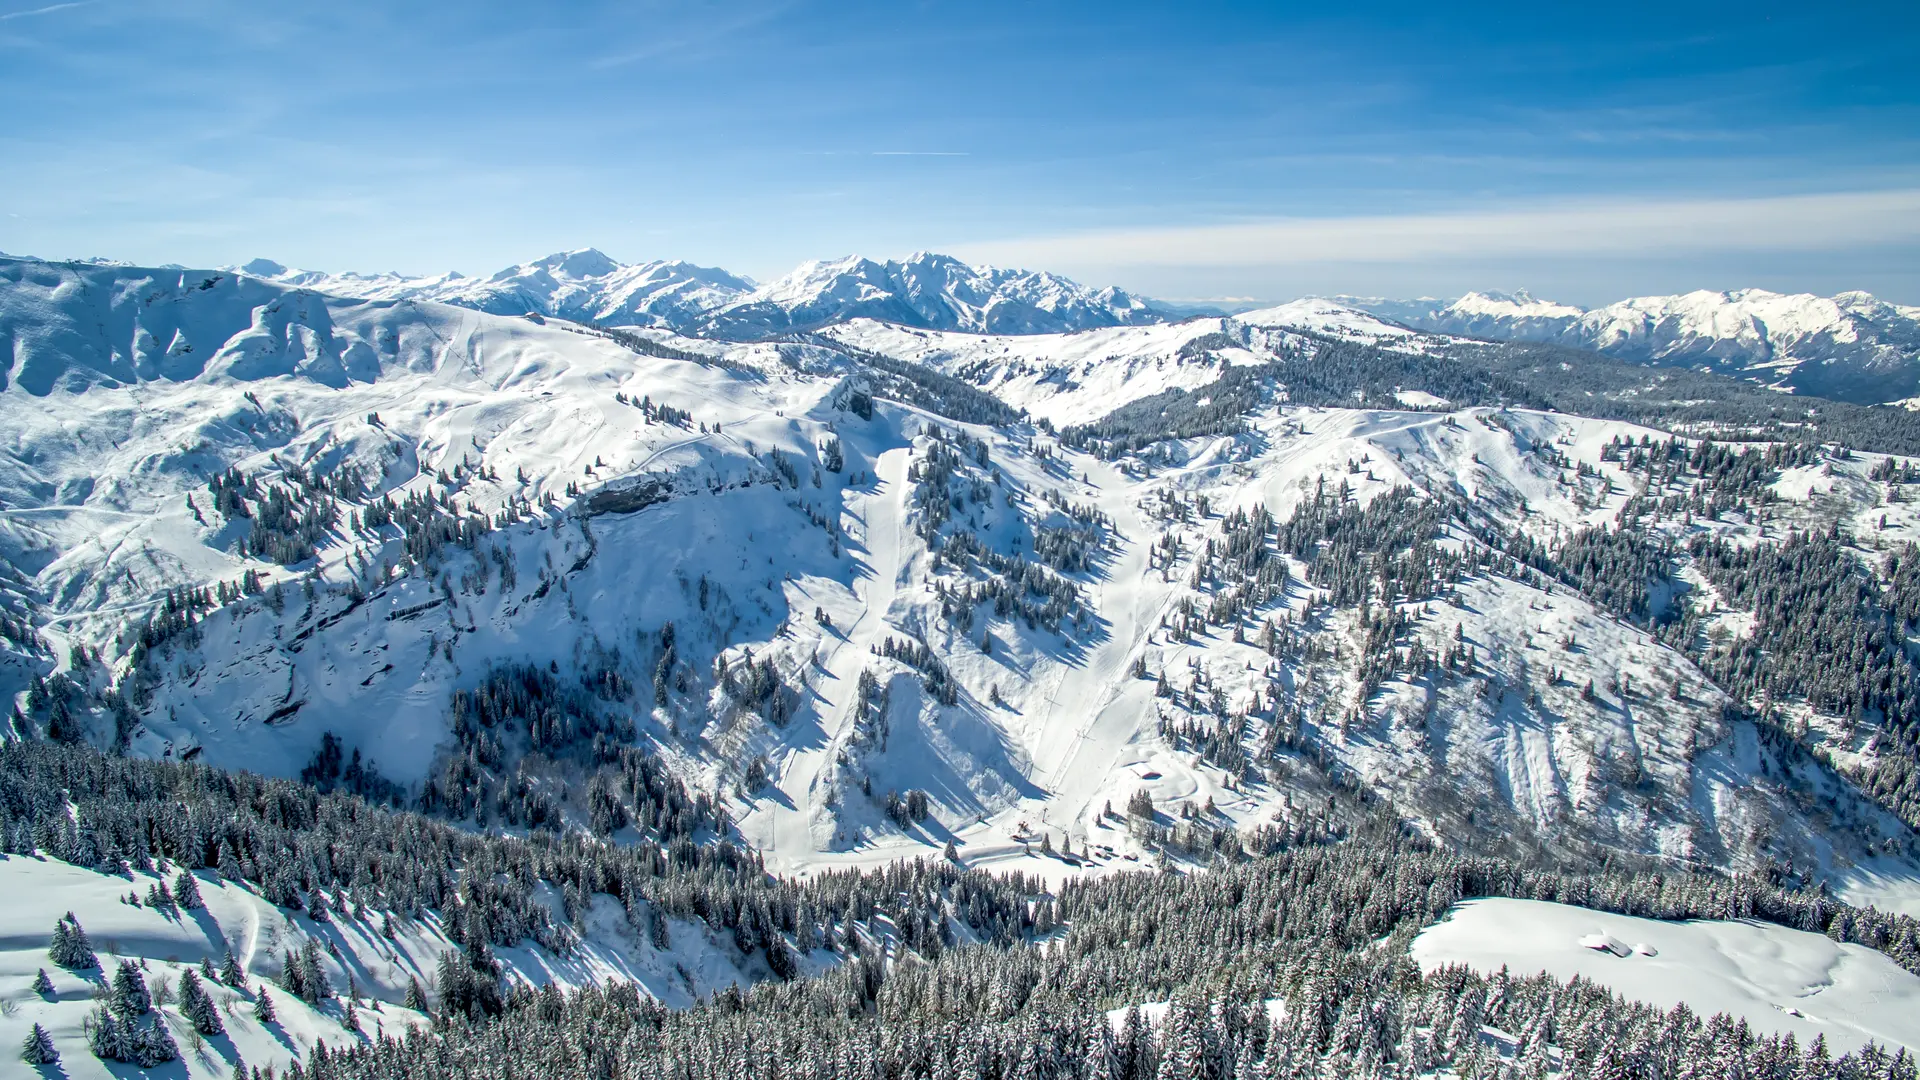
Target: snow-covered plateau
1777 979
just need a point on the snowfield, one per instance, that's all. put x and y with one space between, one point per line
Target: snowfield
1778 980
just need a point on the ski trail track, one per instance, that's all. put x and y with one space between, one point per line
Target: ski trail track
1074 759
801 825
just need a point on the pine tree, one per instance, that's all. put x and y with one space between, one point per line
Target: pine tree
42 985
416 998
263 1007
129 994
197 1006
230 972
107 1037
39 1048
186 890
71 949
153 1044
311 984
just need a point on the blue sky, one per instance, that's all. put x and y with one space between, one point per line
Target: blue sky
1258 151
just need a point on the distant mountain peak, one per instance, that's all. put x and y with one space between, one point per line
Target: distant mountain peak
927 290
579 263
1850 346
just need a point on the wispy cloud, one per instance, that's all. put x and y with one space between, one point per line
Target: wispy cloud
48 10
1619 227
696 40
885 153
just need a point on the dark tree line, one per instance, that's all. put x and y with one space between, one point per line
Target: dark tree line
1218 408
924 388
1344 374
1590 384
1324 372
305 850
1303 926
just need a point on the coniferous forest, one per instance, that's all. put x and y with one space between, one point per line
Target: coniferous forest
940 972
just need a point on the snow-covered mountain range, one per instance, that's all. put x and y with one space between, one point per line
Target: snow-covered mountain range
935 292
1852 346
174 429
584 285
929 291
858 568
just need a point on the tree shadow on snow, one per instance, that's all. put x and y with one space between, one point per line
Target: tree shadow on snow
937 753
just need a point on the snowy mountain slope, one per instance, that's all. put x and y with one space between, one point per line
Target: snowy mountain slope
1077 378
107 497
494 417
583 285
109 438
1332 319
369 956
1493 315
1618 767
1067 378
1851 347
869 629
1776 979
927 291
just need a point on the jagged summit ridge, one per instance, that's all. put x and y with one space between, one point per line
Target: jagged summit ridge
584 284
927 291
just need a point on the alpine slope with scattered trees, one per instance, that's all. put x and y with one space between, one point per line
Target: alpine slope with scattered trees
398 688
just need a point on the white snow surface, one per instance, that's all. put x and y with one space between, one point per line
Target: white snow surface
1779 980
1325 316
1067 378
355 954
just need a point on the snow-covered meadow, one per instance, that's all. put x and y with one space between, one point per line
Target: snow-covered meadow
1775 978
